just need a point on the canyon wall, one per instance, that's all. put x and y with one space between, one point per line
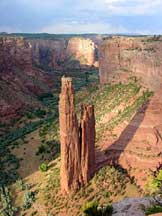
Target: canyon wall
62 54
20 82
123 57
77 142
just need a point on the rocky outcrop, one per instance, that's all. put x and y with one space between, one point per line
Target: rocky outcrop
134 206
62 54
87 142
77 143
122 57
20 82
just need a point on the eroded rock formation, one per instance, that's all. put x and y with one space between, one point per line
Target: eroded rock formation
20 82
87 142
73 53
69 135
77 143
122 57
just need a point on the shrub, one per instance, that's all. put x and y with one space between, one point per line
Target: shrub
107 210
153 209
43 167
155 183
29 198
90 208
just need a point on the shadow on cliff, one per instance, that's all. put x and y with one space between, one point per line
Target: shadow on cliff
112 154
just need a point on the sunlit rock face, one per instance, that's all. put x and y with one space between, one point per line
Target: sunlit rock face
73 53
20 82
69 137
138 146
122 57
77 142
81 50
87 142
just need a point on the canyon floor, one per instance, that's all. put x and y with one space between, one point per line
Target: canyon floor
120 110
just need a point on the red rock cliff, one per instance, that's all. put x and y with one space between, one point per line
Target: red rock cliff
65 53
20 82
122 57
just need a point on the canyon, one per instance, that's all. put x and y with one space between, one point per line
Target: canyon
98 139
28 68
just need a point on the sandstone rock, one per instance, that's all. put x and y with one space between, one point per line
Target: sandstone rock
77 144
20 82
122 57
65 53
81 50
87 142
69 137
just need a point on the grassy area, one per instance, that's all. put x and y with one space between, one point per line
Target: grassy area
108 184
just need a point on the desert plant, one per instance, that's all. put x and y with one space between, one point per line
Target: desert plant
90 208
153 210
43 167
29 198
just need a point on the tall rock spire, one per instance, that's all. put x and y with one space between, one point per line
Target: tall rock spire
77 143
87 142
69 135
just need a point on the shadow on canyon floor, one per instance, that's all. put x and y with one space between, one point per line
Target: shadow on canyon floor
111 155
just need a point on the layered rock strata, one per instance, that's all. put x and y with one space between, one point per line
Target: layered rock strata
60 54
20 82
123 57
77 143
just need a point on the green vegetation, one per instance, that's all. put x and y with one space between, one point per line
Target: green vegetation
29 198
154 185
92 209
8 208
153 209
43 167
108 184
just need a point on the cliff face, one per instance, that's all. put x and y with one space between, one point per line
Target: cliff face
50 53
122 57
81 50
77 143
20 83
64 53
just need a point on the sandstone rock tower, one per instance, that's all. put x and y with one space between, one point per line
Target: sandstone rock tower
87 136
77 143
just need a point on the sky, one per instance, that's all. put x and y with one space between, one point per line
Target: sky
81 16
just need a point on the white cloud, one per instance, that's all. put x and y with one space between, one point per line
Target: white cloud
80 28
134 7
123 7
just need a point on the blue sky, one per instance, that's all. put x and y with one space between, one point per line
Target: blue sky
81 16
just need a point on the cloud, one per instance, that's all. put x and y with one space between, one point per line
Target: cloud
123 7
134 7
57 16
83 27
